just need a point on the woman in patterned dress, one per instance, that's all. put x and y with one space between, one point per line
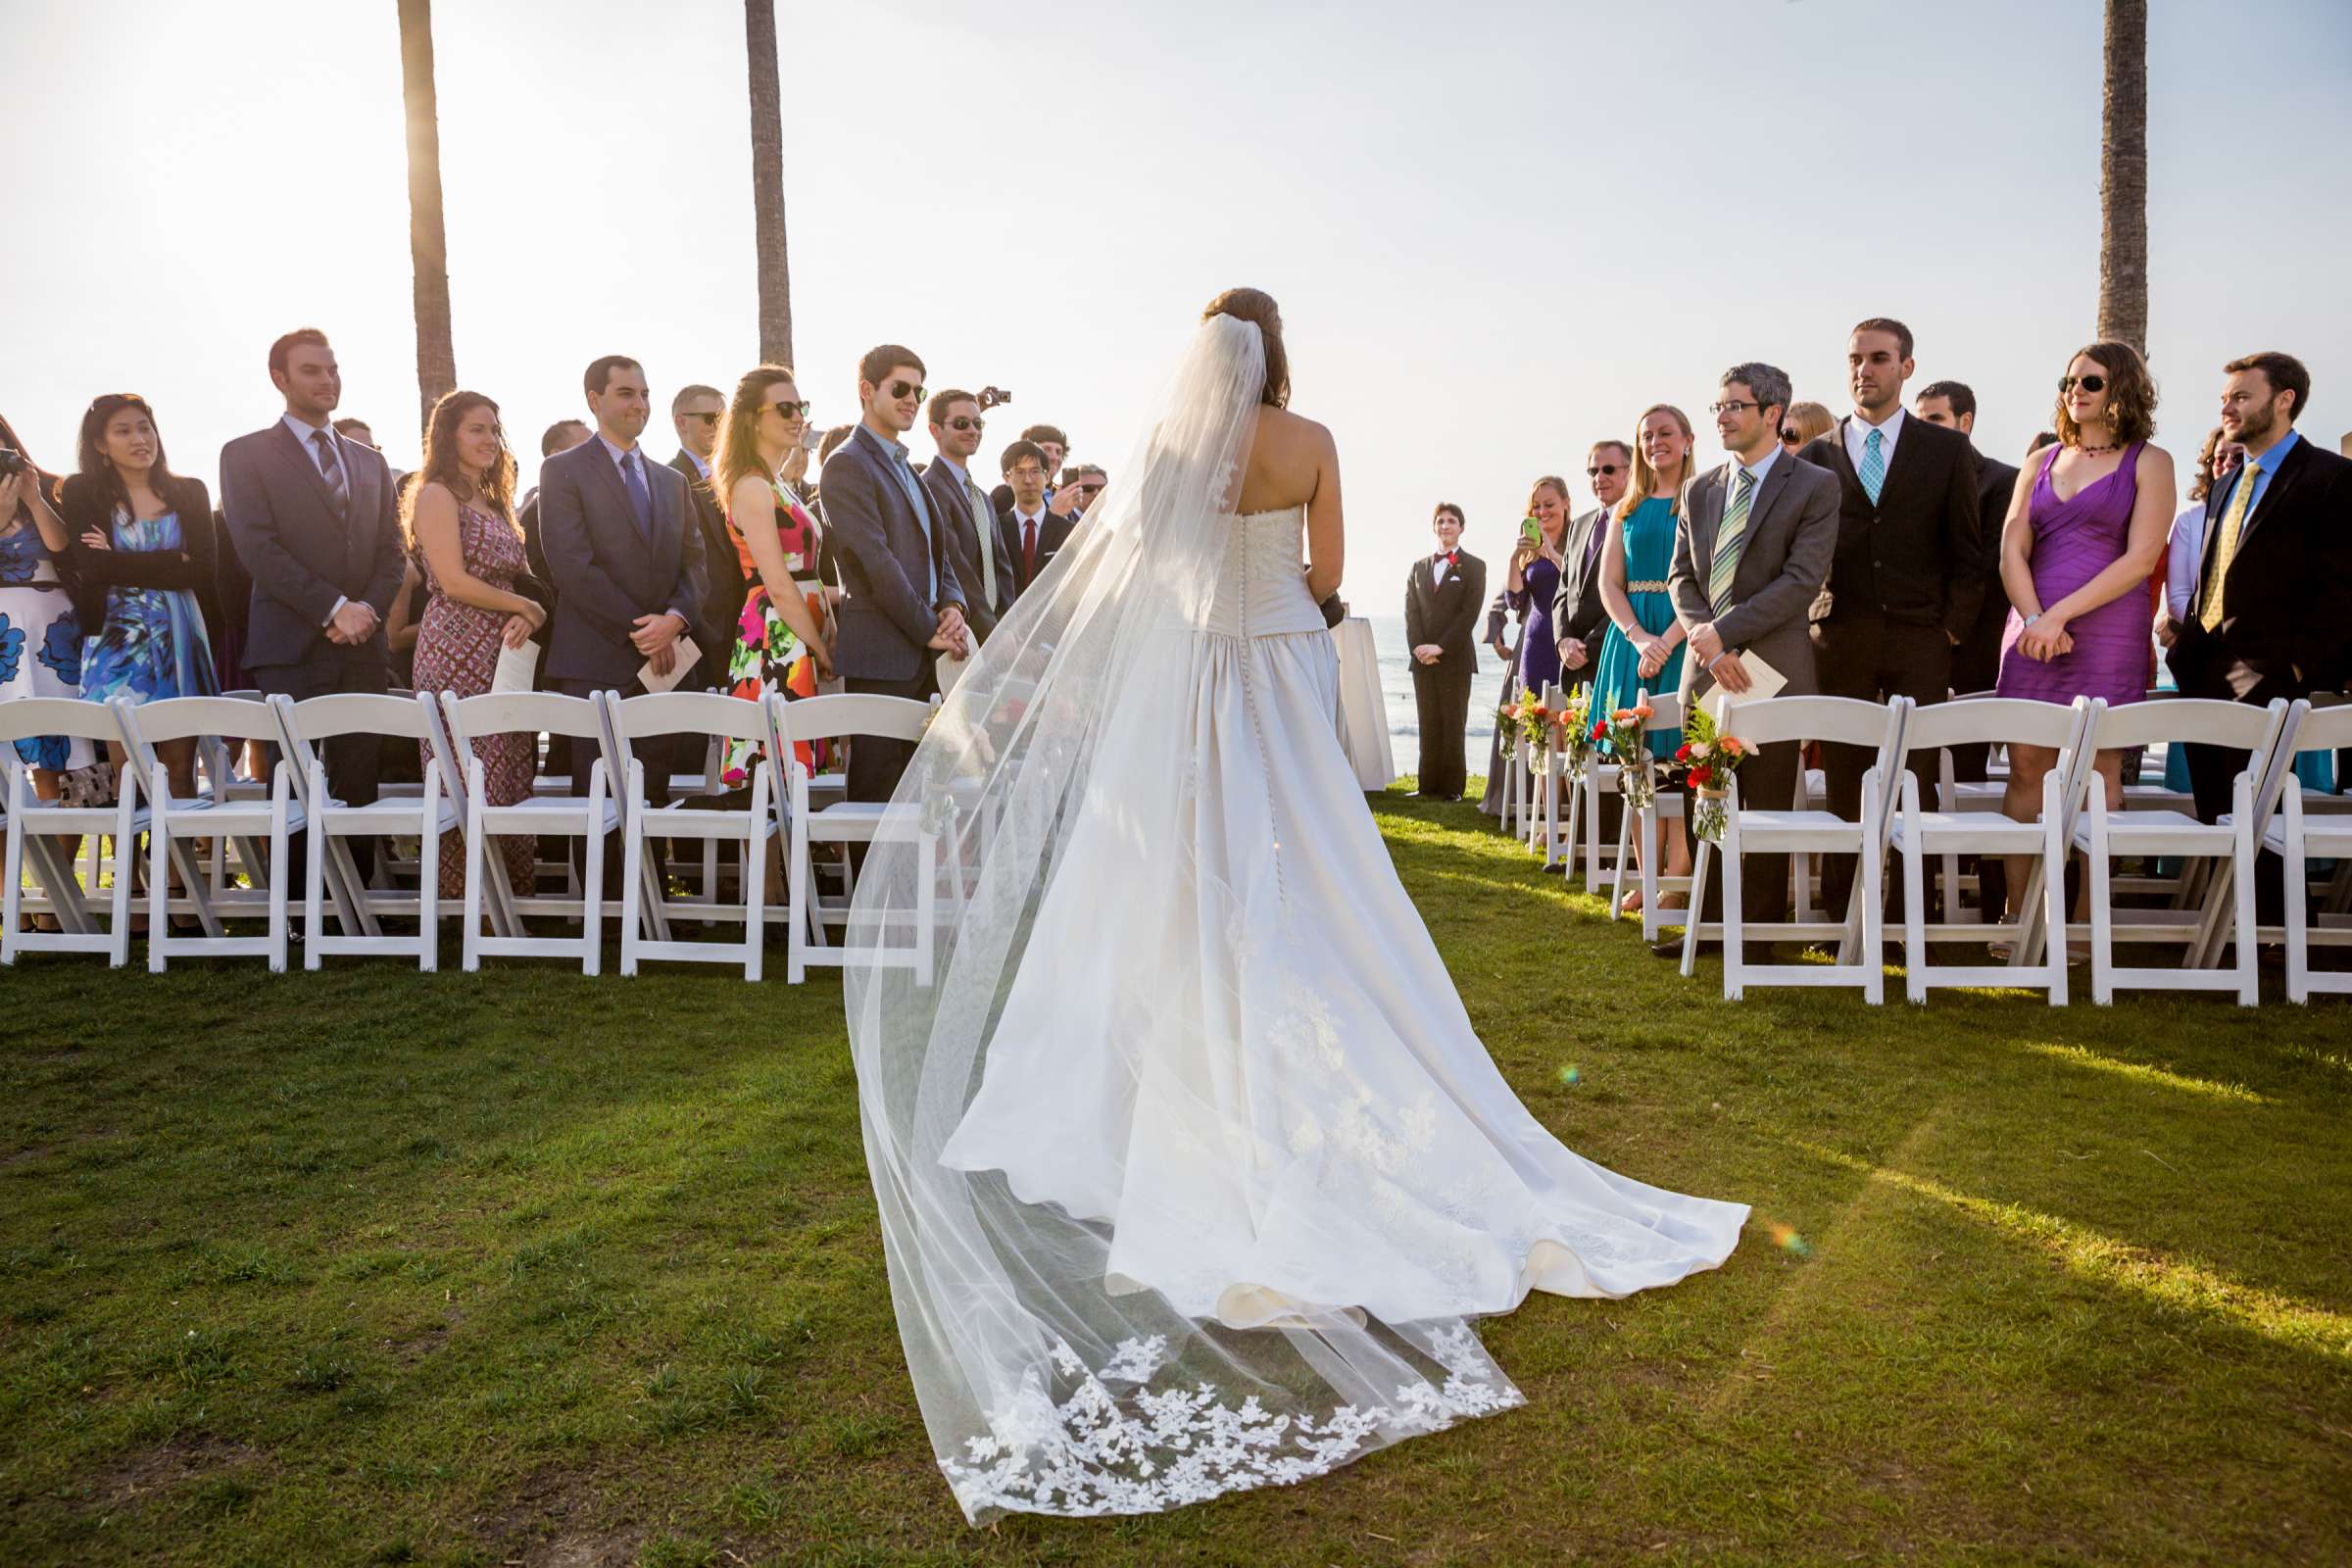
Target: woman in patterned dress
461 516
780 646
40 634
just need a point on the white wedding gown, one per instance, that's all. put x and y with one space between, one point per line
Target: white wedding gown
1190 1168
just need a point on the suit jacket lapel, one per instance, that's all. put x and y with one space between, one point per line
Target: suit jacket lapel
2290 470
308 465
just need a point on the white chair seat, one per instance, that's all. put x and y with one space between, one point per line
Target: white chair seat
2160 833
84 819
401 811
565 814
1980 827
228 816
698 821
1797 830
2323 841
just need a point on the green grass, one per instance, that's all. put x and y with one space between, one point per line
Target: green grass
369 1266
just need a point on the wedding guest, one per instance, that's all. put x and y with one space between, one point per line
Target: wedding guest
2267 617
1054 446
1580 621
1976 659
1804 423
1749 558
1501 636
983 565
40 628
315 524
2084 532
561 436
350 430
779 647
624 557
831 443
461 518
1442 597
1080 485
1908 575
903 606
1029 534
2217 459
695 413
1642 651
1532 582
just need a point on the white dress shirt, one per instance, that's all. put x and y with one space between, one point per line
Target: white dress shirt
1857 430
700 466
1756 474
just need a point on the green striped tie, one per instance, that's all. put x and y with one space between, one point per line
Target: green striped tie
1730 540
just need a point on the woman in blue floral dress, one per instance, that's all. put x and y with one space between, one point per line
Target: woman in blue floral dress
40 636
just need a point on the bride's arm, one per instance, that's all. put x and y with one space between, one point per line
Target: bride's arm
1326 534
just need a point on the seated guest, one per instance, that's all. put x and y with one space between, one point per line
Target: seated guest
2086 525
1029 534
1443 595
460 517
40 629
982 563
146 535
1804 423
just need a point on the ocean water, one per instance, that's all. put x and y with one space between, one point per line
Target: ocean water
1397 691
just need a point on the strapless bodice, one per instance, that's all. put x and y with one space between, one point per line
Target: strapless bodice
1260 589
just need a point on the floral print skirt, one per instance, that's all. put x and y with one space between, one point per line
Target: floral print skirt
769 659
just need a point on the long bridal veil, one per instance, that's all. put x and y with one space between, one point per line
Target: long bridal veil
1049 1383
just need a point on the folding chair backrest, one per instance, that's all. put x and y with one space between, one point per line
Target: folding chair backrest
1665 712
737 718
2327 726
176 719
319 718
23 718
473 719
2205 720
1977 721
817 718
1842 719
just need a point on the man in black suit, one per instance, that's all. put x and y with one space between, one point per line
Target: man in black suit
627 560
1443 595
982 565
1049 441
2275 574
1977 661
317 526
1579 619
1029 534
1909 572
904 607
695 413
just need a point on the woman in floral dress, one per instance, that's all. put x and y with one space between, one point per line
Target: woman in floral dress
41 635
462 520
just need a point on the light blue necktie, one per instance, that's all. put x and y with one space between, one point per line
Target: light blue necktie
1874 465
922 514
640 497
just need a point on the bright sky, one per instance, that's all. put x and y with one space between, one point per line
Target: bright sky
1497 230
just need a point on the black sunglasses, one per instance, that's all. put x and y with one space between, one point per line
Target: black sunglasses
1087 489
904 389
707 419
1791 435
2089 383
788 407
964 421
1609 468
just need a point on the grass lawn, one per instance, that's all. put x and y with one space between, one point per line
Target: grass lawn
374 1266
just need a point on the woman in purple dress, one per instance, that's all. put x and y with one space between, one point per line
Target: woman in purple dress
2086 526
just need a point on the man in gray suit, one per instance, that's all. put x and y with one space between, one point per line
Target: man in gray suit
1750 554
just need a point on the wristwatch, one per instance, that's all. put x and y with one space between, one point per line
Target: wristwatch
2031 619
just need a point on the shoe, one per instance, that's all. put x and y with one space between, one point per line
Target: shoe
1674 948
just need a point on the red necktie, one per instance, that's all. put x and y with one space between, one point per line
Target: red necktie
1028 549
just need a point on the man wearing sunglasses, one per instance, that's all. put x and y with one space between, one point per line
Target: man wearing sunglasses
695 413
1080 486
1578 616
983 568
904 607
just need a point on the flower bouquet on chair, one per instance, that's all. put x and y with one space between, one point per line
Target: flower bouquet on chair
1627 732
1575 725
1533 719
1706 761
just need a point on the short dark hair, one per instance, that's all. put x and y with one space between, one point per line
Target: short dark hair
833 440
600 372
1444 507
343 426
1625 447
2283 372
953 395
1047 432
1956 393
1023 448
300 337
1887 324
552 435
1769 382
880 360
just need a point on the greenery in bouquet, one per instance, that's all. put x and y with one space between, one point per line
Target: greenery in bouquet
1533 719
1575 723
1706 761
1626 734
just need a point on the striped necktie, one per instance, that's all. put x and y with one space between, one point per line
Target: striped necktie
984 527
330 468
2225 548
1730 540
1872 474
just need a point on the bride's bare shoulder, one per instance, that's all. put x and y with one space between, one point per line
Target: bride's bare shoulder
1289 454
1281 428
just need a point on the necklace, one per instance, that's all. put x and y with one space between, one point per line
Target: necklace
2091 451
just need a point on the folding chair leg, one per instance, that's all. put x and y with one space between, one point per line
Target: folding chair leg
1735 940
1915 919
428 889
2298 939
2249 984
159 882
278 839
1872 880
13 897
632 885
592 897
1698 902
796 903
2053 895
755 891
471 944
924 892
2102 921
1625 829
314 885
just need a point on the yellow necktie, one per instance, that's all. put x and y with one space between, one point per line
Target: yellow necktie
2226 548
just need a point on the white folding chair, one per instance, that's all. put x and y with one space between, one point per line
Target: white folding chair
719 719
1559 839
498 894
2103 835
1793 720
1514 768
1666 805
590 816
35 826
171 821
304 727
1951 833
2298 837
849 823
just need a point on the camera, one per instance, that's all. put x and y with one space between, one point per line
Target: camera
991 395
11 463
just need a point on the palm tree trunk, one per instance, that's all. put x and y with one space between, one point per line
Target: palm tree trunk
767 184
428 242
2123 180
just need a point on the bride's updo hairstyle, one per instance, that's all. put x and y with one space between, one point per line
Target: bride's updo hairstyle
1257 306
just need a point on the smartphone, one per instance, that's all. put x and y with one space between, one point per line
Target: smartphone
1531 530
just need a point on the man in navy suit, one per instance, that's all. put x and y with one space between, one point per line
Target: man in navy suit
626 558
982 567
1029 534
904 607
316 527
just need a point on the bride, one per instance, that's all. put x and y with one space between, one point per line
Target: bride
1190 1168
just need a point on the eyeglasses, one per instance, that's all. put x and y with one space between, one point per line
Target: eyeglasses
2089 383
787 407
964 421
1731 407
1791 435
1609 468
710 420
1029 471
1088 491
908 389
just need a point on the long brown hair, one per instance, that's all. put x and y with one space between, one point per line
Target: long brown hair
2203 484
495 493
97 471
1567 499
1645 479
738 450
2131 394
1257 306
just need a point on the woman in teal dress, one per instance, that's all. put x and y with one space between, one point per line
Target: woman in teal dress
1643 649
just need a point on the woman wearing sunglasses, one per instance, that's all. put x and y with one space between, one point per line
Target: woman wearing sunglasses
1805 422
2086 526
